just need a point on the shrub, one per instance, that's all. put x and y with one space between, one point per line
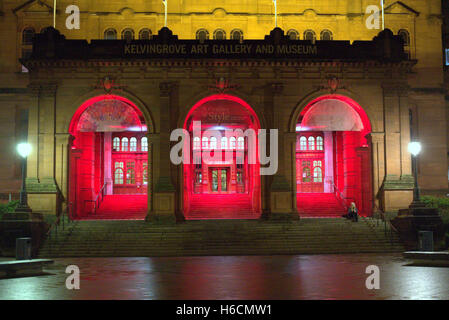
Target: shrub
8 207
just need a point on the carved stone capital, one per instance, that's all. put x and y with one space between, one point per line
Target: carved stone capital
166 88
377 137
277 88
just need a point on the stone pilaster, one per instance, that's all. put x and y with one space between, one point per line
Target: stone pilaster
164 191
398 183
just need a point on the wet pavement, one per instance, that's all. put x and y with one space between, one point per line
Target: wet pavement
231 277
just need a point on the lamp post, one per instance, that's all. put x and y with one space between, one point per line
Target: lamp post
24 150
414 148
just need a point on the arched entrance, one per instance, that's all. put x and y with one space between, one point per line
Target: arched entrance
108 160
223 179
333 158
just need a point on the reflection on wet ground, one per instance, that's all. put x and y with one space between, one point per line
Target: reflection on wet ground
231 277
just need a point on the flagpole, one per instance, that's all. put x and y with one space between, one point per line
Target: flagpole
165 4
383 14
54 14
275 13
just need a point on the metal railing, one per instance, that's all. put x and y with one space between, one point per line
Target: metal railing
389 229
60 223
339 196
98 199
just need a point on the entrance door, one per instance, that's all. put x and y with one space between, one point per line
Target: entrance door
219 180
310 163
129 164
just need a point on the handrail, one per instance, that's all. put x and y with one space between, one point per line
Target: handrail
340 196
99 198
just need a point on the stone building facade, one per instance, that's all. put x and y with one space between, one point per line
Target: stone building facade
389 84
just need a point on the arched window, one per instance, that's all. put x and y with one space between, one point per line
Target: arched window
133 144
196 143
116 144
319 143
110 34
213 143
241 143
317 175
309 35
144 144
118 173
205 143
293 34
326 35
125 144
406 41
232 143
224 143
405 37
303 143
130 173
27 36
202 35
128 34
145 34
311 143
219 34
237 34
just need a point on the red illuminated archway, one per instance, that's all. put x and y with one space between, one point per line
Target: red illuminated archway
109 169
333 157
228 188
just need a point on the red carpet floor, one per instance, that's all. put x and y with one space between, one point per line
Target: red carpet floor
121 207
221 206
319 205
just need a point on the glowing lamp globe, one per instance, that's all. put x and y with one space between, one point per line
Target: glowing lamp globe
414 148
24 149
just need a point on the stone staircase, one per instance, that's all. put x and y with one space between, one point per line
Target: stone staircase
219 237
323 205
221 206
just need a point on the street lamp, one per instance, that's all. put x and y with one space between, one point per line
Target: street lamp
24 150
414 148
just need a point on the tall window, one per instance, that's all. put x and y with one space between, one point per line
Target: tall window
202 35
125 144
144 144
145 173
241 143
306 174
118 173
232 143
110 34
319 143
116 144
219 34
311 143
145 34
27 36
213 143
303 143
406 41
196 143
128 34
224 143
309 35
293 34
130 173
27 44
317 175
133 144
326 35
205 143
237 34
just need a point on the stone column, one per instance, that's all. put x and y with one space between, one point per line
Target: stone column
378 151
43 191
281 190
328 162
61 166
164 195
108 163
397 188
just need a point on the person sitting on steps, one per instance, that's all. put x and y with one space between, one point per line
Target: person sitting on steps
353 213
